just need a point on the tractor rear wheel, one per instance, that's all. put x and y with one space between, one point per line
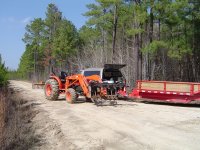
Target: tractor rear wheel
71 95
51 89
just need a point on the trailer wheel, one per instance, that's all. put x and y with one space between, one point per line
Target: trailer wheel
51 89
71 95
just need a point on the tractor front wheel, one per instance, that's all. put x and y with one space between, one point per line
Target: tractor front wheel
71 95
51 89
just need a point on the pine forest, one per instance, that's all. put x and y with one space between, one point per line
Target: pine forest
157 40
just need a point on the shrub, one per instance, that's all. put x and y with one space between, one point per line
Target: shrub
3 73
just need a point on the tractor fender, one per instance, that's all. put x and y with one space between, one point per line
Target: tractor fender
58 80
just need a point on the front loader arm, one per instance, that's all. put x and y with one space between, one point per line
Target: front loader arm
83 82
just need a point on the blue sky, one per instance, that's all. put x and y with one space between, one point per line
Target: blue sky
15 14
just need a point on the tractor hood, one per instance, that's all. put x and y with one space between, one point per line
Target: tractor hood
114 66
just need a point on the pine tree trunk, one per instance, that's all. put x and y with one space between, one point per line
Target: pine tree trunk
114 35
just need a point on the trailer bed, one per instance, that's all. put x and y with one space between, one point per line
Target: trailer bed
167 91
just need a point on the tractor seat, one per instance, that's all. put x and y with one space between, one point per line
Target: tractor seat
63 76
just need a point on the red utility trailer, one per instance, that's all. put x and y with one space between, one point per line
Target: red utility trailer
167 91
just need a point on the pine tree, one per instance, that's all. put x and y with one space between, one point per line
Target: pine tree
3 73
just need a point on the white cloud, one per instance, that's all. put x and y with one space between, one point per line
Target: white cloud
11 19
8 20
26 20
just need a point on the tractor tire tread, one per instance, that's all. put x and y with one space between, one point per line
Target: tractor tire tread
55 89
73 95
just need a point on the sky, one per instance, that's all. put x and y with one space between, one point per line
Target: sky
16 14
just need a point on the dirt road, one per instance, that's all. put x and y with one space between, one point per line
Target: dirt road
128 125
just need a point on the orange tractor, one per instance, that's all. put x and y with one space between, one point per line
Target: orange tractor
77 85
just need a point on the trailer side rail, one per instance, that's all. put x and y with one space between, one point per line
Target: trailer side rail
183 92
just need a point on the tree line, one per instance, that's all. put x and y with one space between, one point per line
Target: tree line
158 40
3 73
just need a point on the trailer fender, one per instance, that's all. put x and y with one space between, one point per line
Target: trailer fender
134 94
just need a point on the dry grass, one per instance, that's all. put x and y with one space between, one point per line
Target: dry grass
3 108
16 131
